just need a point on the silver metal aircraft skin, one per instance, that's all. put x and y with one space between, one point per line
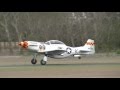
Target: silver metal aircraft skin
57 49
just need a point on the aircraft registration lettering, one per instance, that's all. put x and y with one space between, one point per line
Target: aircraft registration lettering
76 51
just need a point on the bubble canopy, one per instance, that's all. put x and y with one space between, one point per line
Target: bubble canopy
54 42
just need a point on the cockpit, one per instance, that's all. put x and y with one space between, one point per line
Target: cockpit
54 42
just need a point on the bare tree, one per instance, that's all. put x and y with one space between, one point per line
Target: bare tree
5 25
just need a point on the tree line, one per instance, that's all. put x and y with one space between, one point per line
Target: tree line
73 28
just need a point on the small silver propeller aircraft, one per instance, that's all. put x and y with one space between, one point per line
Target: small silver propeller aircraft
57 49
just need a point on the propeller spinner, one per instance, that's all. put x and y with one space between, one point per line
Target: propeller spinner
23 44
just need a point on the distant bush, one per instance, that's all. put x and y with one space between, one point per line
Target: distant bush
118 52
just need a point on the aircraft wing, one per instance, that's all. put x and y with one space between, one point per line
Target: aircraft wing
56 52
84 51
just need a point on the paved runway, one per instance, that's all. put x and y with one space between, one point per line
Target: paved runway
87 67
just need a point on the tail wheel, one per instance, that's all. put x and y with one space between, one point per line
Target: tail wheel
43 62
33 61
79 57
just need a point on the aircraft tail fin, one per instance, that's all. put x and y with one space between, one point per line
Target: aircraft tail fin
90 44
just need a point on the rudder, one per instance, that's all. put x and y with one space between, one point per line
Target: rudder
90 44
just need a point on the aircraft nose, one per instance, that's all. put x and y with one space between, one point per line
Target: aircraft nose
23 44
20 44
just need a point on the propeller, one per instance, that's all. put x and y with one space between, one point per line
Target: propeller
24 42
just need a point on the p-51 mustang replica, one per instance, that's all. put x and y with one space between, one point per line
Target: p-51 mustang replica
57 49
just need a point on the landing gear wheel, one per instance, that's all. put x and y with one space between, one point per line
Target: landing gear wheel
79 57
43 62
33 61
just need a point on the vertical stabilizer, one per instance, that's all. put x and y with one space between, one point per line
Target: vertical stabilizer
90 44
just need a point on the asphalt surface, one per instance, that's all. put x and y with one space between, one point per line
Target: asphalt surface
88 67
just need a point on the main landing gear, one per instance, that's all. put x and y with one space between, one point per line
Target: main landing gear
33 61
42 62
79 57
